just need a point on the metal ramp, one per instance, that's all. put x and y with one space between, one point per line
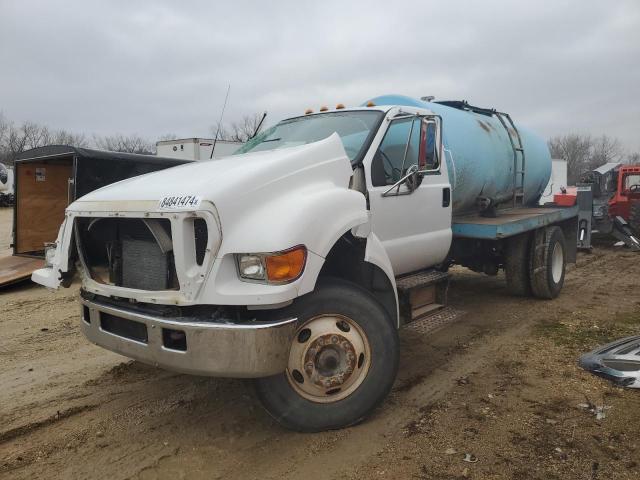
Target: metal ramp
622 231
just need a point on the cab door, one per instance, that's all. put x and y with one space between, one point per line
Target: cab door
410 194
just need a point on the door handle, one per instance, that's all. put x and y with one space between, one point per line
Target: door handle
446 197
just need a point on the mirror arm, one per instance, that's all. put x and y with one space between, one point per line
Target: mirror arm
413 169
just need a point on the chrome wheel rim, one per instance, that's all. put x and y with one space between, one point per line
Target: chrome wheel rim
330 357
557 259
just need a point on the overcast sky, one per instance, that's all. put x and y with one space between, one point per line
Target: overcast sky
160 67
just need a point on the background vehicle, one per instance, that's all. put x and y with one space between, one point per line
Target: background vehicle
609 202
295 261
47 180
195 148
6 186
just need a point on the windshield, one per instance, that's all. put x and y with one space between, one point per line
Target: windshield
631 180
355 128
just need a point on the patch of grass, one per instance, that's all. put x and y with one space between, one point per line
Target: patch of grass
587 335
629 319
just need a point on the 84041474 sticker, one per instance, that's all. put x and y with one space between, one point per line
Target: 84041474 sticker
176 202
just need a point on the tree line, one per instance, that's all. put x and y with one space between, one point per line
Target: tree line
16 138
586 152
582 152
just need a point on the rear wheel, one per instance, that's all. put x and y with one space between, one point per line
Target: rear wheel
547 262
517 264
634 216
342 363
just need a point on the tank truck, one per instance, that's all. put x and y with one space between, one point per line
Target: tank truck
296 261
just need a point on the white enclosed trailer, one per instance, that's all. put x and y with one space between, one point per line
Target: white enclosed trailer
6 180
195 148
557 181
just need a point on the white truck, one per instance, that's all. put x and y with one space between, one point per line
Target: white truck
296 261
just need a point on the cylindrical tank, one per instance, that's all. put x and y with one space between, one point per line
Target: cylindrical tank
480 157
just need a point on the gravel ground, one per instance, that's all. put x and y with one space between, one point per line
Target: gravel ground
501 384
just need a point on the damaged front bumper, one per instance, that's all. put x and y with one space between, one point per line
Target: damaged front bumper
618 362
189 345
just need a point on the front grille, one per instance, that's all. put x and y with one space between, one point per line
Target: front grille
201 235
128 252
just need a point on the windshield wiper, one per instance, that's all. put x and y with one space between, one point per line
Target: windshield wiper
271 140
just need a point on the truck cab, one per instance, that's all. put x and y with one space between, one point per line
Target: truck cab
293 262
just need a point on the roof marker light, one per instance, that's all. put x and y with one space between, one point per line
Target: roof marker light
308 111
370 104
340 106
324 108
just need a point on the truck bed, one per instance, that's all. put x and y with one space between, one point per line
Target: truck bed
509 222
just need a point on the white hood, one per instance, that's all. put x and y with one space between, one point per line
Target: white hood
231 177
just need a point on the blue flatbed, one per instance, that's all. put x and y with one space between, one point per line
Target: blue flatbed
510 222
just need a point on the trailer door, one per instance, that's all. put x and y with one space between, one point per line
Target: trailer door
42 194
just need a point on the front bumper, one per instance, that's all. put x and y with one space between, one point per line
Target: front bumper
220 349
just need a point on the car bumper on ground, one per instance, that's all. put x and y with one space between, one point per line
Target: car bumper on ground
221 349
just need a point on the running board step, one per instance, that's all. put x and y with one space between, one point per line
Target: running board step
435 321
421 294
421 279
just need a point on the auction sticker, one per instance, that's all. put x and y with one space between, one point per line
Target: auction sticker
41 174
177 202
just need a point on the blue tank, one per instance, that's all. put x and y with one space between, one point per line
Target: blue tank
480 157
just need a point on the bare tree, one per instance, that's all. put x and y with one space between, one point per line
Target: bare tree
15 139
167 136
633 158
64 137
122 143
584 152
575 149
604 149
238 131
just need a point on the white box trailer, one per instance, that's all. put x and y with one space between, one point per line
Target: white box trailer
556 182
6 186
195 148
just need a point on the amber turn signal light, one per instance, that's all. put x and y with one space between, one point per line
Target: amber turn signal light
286 266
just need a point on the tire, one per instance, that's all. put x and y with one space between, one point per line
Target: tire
517 265
308 407
547 262
634 216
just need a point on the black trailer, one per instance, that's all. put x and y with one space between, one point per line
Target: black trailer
46 180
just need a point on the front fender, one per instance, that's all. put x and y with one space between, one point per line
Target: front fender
52 276
377 255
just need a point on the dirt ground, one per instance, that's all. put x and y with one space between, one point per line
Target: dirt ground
500 384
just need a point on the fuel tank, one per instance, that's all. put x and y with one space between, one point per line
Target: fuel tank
479 155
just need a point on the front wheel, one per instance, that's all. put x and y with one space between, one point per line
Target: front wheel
342 362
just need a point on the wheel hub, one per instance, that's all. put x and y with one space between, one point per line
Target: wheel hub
329 358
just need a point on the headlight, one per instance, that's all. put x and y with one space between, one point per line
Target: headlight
251 267
277 268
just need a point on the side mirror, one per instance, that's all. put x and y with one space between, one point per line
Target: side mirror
428 154
412 180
